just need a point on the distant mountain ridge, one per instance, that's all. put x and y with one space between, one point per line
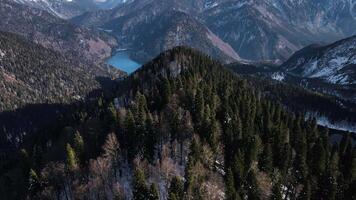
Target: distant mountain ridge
329 69
256 30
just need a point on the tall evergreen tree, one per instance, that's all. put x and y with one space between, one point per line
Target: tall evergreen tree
72 160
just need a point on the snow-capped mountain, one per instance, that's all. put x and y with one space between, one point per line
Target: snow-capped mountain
274 29
335 63
255 29
328 69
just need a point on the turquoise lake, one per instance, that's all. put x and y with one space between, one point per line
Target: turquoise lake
122 61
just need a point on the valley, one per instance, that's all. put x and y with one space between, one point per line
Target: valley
177 99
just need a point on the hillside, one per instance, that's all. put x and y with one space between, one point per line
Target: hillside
32 74
52 32
182 127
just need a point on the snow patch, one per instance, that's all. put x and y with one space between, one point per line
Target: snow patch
278 76
325 121
2 54
341 79
312 68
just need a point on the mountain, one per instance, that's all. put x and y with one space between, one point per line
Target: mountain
181 127
328 69
149 28
32 74
163 32
275 29
55 33
256 30
334 63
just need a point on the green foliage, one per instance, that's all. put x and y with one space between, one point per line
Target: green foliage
72 161
153 193
176 189
140 188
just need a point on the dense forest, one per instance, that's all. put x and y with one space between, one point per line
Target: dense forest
182 127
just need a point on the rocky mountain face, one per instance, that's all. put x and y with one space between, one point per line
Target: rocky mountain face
151 27
55 33
256 30
32 74
274 29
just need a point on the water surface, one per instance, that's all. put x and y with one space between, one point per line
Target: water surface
122 61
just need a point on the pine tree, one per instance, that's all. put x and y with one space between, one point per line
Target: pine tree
166 91
153 193
33 183
318 159
140 189
72 161
266 159
78 145
306 191
176 189
253 191
231 193
130 135
276 192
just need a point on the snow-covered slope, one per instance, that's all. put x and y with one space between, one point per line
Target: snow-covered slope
334 64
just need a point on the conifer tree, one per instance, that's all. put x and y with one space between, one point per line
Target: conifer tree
276 192
231 193
176 189
253 191
33 183
266 159
140 189
72 161
78 145
153 193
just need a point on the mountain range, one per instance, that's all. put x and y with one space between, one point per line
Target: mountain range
256 30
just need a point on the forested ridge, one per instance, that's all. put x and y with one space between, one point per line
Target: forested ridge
30 74
182 127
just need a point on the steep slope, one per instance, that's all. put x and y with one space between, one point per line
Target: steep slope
330 69
335 63
149 27
181 127
54 33
163 32
274 29
31 74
